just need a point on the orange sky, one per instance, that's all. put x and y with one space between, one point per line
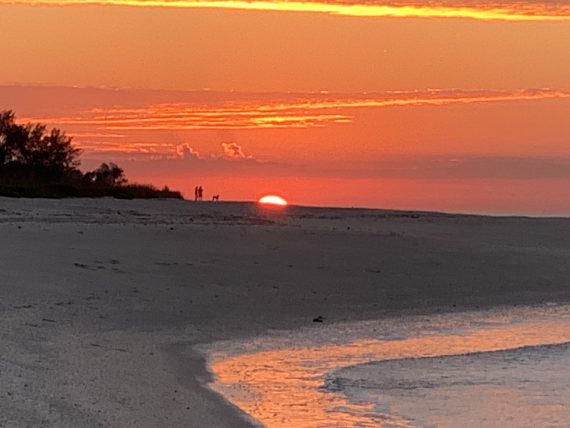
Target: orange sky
384 103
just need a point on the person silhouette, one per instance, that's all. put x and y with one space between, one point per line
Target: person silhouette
196 193
200 193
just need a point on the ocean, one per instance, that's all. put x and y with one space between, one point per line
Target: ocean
523 387
505 367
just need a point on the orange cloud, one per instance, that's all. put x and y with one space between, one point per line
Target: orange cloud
507 10
290 111
184 151
482 10
233 151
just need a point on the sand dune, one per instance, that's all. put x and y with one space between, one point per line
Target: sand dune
103 300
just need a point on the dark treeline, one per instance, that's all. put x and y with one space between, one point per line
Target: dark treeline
37 162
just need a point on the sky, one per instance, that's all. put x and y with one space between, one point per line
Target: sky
441 105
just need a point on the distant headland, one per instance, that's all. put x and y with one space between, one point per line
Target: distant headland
39 163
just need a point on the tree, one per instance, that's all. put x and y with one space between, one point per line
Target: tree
6 126
32 147
37 162
107 174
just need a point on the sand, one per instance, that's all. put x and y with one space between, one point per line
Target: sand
103 300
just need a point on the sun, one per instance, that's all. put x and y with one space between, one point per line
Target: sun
272 200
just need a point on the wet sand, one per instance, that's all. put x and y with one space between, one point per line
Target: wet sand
104 301
379 373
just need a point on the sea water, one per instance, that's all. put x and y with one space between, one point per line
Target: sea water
495 368
524 387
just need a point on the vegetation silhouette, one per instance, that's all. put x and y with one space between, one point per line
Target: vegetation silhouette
35 162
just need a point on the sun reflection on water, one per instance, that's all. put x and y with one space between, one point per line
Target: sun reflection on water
284 387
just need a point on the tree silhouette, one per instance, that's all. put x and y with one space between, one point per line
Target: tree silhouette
32 147
107 174
6 128
35 162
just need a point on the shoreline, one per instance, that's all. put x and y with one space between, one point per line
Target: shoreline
104 299
284 377
192 358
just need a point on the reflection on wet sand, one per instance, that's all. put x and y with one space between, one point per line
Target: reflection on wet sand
284 387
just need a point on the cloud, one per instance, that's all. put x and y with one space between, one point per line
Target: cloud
420 168
245 111
184 151
503 10
431 167
233 151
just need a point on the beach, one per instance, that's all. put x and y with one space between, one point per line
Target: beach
107 303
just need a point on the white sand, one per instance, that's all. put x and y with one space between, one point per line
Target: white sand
102 300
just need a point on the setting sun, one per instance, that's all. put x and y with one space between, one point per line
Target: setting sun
273 200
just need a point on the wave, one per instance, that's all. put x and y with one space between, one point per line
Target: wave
391 372
383 374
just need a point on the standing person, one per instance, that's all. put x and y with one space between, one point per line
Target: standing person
200 193
196 193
